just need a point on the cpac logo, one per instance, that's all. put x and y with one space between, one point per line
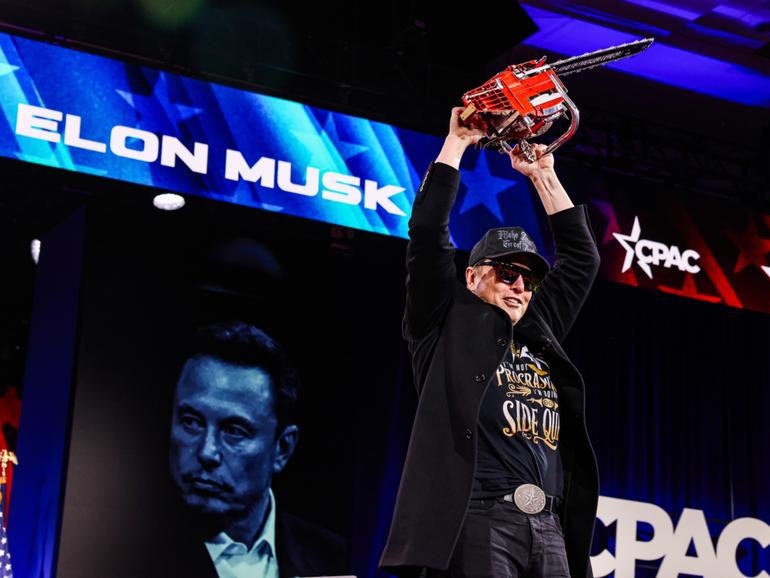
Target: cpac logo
672 543
654 253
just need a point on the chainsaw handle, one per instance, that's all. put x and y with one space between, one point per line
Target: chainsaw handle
573 125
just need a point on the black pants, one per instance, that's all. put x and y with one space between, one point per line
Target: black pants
498 540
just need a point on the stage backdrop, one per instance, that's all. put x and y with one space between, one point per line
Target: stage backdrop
676 401
101 116
677 388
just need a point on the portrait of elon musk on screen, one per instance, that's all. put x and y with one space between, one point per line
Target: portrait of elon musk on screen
233 428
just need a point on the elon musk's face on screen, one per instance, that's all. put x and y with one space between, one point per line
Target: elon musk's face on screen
224 446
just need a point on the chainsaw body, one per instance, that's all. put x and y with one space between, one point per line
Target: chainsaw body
518 104
523 101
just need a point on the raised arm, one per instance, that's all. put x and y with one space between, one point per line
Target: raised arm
566 287
430 254
543 176
457 140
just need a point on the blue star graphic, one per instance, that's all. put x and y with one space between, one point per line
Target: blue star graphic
187 112
318 154
325 145
346 149
483 188
159 100
6 68
127 96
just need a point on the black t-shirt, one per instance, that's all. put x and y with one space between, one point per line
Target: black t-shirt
518 428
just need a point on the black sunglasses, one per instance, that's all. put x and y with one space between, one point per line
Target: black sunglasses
509 273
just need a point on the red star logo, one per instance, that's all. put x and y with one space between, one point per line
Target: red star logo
753 248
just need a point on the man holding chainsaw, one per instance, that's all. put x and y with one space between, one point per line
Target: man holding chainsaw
500 479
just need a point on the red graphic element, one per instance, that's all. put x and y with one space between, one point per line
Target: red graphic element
686 230
10 408
10 412
608 211
707 260
690 290
753 248
627 278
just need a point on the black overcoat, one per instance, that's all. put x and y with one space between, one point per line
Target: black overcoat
457 341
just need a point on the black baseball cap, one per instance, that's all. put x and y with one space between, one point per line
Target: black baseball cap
509 242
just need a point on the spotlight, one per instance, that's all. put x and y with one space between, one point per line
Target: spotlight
168 202
34 248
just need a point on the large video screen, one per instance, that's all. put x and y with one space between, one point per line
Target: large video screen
238 377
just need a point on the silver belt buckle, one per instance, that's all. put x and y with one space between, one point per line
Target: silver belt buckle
529 498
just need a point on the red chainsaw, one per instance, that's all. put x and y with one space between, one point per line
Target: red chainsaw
523 101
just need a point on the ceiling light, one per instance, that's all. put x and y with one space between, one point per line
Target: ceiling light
34 248
168 201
